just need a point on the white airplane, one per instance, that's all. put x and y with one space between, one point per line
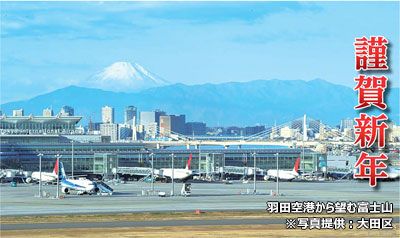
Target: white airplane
287 175
46 176
179 174
81 185
393 172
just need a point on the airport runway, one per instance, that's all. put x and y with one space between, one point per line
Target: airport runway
157 223
21 200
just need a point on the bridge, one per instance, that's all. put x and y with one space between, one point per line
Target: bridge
300 132
240 143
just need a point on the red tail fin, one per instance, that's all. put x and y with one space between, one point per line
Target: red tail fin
55 170
189 161
296 165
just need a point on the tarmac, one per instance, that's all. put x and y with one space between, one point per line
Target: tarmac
23 200
158 223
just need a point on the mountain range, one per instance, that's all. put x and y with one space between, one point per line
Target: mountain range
235 103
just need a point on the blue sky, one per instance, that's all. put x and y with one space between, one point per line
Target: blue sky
48 45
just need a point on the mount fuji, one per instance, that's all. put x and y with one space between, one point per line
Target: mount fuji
123 76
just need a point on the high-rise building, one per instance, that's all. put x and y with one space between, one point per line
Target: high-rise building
147 118
130 115
47 112
151 130
94 127
67 111
18 112
196 128
125 131
157 114
165 126
251 130
140 132
172 124
109 129
151 117
149 124
178 123
347 123
107 114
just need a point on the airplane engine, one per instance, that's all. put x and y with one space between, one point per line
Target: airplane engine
28 180
96 190
65 190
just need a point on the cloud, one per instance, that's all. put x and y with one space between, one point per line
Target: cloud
56 44
96 19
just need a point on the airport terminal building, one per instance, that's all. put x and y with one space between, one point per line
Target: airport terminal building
39 125
92 155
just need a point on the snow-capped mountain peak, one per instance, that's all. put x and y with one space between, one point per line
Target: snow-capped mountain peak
124 76
118 71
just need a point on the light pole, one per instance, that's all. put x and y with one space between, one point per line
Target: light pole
254 174
72 158
58 156
199 158
303 156
40 174
223 171
152 172
277 174
173 175
246 170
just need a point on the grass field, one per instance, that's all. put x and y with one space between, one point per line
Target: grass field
199 231
147 216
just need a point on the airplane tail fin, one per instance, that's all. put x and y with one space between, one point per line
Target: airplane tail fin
296 165
189 161
55 170
62 176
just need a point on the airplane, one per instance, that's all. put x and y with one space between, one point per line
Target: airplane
81 185
179 174
340 175
287 175
46 176
393 172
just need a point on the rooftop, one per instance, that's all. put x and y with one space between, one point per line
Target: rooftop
40 119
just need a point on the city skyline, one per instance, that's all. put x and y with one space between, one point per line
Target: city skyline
152 116
160 125
73 42
264 102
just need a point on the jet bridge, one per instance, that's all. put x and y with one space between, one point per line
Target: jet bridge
138 171
241 170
